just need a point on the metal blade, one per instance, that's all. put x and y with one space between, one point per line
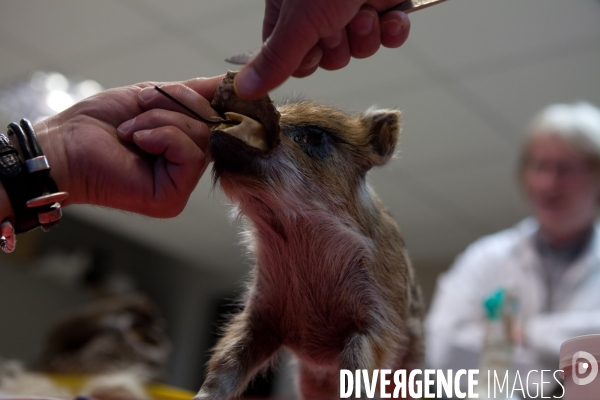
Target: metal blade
244 58
409 6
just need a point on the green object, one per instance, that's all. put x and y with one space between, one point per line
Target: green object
494 304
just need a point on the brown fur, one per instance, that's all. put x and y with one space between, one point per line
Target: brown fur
332 282
110 335
119 341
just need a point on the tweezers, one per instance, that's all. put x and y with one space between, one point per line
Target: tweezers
194 113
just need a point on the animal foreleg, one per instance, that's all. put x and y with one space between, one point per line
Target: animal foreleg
245 348
362 352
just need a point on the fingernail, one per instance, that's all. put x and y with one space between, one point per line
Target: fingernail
312 62
126 126
147 93
141 134
392 28
246 82
334 40
362 24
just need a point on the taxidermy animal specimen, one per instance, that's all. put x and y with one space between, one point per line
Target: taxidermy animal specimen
332 281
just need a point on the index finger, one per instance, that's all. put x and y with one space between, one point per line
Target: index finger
149 98
280 56
206 87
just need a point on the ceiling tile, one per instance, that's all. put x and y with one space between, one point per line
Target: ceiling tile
430 231
518 93
231 33
486 192
427 203
399 197
13 66
459 33
196 12
165 59
436 128
71 27
362 84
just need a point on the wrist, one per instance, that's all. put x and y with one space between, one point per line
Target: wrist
49 133
51 142
28 187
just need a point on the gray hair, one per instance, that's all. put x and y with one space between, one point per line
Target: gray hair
578 124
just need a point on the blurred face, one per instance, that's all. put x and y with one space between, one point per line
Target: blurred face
562 186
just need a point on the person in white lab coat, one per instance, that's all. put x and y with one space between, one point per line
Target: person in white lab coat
550 261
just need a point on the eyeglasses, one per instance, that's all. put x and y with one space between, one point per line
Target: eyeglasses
563 170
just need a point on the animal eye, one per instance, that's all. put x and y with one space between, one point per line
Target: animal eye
311 138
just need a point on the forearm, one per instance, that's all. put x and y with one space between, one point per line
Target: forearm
546 332
51 141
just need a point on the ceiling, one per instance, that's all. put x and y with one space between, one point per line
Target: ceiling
468 79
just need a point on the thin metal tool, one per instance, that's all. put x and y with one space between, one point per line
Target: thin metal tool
406 6
409 6
194 113
244 58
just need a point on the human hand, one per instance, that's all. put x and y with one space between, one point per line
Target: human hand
301 35
131 148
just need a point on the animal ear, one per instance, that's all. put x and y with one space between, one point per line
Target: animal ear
384 128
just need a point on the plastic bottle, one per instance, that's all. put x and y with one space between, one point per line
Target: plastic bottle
498 346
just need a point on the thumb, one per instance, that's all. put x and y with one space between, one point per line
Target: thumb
279 57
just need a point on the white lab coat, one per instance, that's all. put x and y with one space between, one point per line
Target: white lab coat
455 323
